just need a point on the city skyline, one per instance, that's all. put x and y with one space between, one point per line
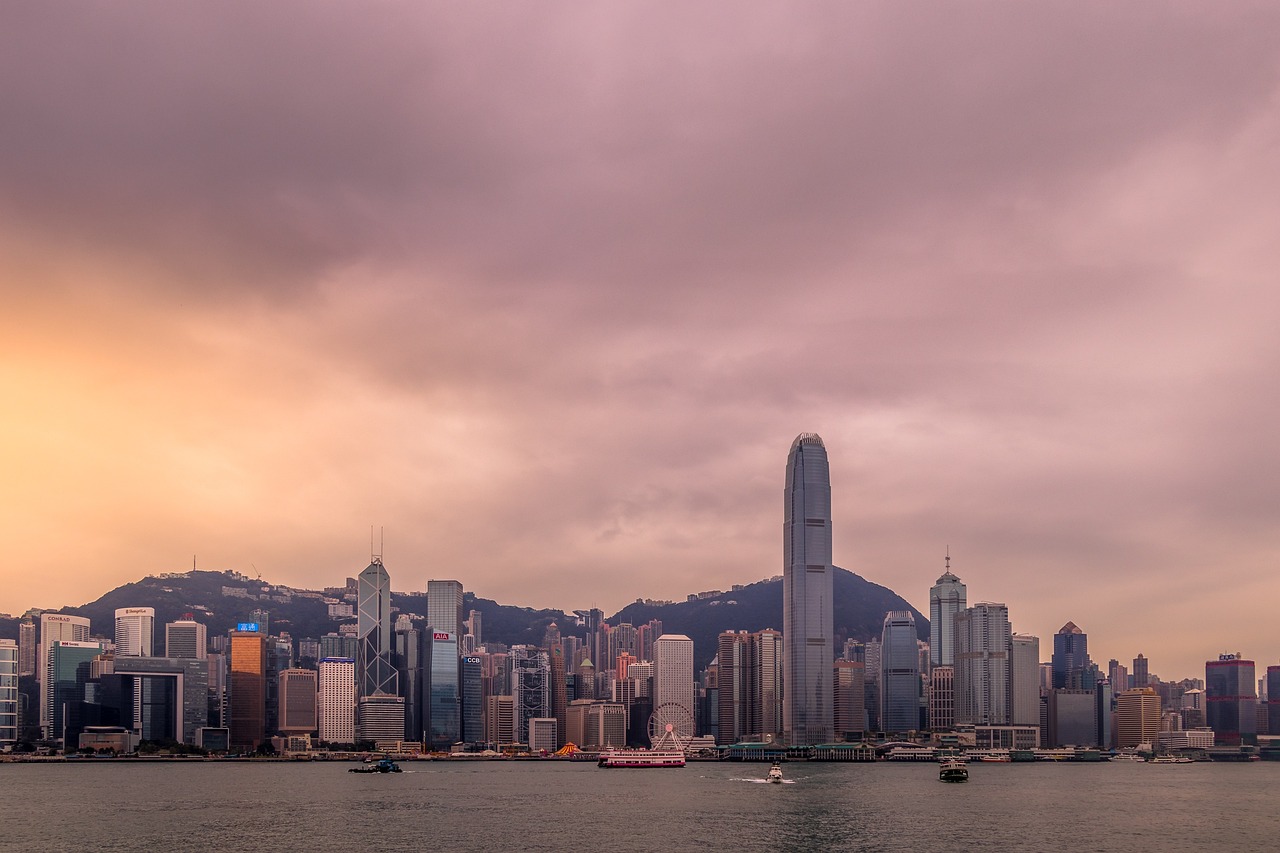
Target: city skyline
544 292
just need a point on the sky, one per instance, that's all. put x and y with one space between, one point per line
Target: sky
544 292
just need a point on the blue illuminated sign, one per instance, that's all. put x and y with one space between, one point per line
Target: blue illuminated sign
247 627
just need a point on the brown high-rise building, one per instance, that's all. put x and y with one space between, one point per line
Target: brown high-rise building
297 697
247 719
850 698
1137 717
499 721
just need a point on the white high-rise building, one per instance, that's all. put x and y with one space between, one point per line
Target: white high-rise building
1024 680
186 638
807 578
8 692
336 704
55 628
947 597
673 679
982 665
135 631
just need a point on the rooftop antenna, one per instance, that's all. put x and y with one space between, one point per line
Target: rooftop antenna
948 558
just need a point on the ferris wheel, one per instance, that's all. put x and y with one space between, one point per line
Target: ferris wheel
670 726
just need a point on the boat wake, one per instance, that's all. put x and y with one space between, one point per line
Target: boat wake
764 781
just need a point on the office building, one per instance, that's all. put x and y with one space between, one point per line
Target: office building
67 672
899 673
807 575
1137 718
338 646
8 692
942 698
135 631
54 628
1230 700
673 678
375 674
336 702
471 690
947 597
298 692
1072 718
186 638
247 711
408 655
499 721
849 703
444 606
749 686
1070 662
167 699
1273 700
27 642
542 735
1118 675
1141 677
530 688
442 718
1024 680
380 719
982 686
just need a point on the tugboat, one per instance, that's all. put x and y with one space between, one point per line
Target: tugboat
386 765
953 770
775 774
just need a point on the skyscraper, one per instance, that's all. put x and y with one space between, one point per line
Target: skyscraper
375 674
807 656
135 631
27 647
297 694
55 628
1141 678
982 665
899 673
444 606
673 677
442 719
1137 717
1230 700
186 638
947 597
530 689
8 692
1024 680
1070 660
336 703
247 714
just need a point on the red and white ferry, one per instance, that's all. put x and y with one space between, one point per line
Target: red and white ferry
641 758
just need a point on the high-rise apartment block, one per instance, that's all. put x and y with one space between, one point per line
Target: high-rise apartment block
749 681
807 584
1024 680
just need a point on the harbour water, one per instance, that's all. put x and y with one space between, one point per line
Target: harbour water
556 806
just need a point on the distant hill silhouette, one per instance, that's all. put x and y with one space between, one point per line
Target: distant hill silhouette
857 613
859 609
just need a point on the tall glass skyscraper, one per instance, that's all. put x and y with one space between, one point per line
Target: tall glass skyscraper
947 597
375 673
899 673
1070 662
807 713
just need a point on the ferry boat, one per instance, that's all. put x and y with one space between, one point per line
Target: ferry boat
1170 759
953 770
775 773
641 758
386 765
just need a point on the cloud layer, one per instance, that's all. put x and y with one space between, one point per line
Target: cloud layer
547 291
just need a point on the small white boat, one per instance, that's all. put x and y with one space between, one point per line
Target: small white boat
775 774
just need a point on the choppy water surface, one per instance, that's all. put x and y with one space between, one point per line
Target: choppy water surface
561 805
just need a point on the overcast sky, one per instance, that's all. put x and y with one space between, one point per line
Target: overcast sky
546 290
